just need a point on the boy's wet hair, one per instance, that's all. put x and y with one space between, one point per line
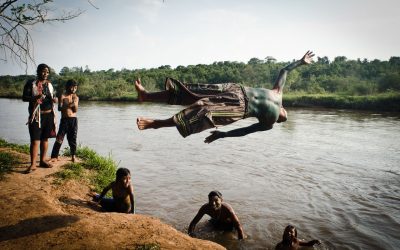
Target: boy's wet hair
41 67
122 172
285 238
70 83
214 193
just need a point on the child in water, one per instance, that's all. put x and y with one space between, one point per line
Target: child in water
122 191
291 242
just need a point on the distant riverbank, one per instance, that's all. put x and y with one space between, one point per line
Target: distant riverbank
378 102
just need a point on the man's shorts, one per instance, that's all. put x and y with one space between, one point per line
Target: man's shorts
46 129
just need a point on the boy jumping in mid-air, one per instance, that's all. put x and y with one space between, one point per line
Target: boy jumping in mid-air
231 103
68 105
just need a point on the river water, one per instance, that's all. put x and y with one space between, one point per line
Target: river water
334 174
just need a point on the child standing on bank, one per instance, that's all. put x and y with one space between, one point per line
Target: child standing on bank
68 105
123 200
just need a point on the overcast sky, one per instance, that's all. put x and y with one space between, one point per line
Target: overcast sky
135 34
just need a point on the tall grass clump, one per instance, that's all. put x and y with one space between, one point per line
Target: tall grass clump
16 147
70 171
104 167
7 162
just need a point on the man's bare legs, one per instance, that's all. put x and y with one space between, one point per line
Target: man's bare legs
34 150
144 96
187 97
146 123
43 151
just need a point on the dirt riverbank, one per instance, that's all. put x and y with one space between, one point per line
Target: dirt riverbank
37 213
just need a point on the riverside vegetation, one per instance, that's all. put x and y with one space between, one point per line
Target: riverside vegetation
101 170
54 207
341 83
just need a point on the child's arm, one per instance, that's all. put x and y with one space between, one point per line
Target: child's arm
104 192
60 103
309 243
75 101
196 219
236 223
132 199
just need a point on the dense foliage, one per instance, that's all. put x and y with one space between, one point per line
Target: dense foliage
341 77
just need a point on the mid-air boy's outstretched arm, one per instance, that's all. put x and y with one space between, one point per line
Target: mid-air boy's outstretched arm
215 135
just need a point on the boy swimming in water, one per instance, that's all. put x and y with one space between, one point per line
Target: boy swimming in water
123 200
222 215
291 242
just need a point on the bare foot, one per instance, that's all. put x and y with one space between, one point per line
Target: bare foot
45 164
144 123
54 159
140 90
30 169
73 158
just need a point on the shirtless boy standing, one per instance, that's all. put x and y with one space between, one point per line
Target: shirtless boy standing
68 105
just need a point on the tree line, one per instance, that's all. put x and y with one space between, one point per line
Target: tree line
339 77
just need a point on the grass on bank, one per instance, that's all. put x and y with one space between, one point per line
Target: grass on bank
7 162
19 148
103 168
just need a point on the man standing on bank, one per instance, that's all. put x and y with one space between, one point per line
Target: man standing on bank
42 125
230 102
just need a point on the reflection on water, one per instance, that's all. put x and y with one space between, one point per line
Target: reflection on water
332 174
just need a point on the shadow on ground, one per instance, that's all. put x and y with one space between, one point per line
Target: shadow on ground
35 226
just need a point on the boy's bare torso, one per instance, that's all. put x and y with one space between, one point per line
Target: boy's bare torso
69 104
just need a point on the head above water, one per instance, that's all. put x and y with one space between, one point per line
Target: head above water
215 193
289 233
215 199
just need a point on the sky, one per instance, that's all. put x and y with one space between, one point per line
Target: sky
143 34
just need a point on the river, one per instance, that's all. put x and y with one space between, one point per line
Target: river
334 174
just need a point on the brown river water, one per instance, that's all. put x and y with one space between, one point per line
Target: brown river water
333 174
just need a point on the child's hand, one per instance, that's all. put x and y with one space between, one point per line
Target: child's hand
95 196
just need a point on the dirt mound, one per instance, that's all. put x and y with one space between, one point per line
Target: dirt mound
36 213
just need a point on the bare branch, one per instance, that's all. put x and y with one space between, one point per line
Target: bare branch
90 2
15 18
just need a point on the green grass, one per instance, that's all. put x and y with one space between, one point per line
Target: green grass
71 171
104 167
19 148
7 162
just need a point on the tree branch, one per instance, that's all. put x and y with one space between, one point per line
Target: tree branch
15 18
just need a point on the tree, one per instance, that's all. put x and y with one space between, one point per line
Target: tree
255 60
16 20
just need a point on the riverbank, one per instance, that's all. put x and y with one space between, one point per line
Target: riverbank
388 102
379 102
44 210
